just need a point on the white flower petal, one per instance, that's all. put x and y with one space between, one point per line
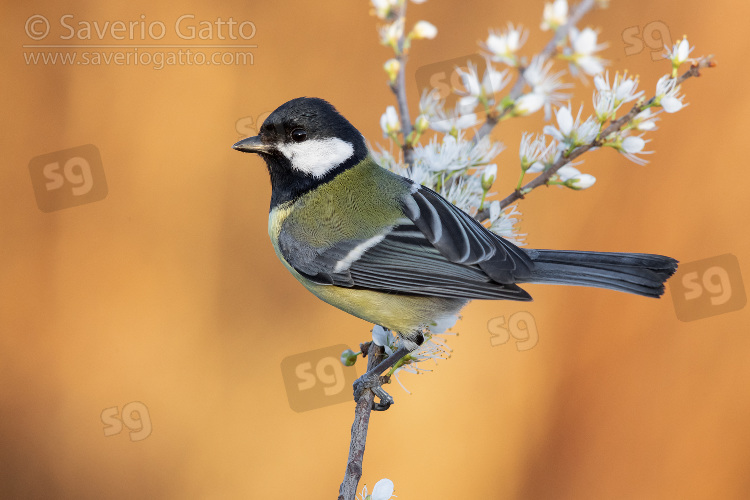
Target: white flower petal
494 210
566 172
633 144
379 336
565 120
671 104
529 103
383 490
550 130
584 181
536 167
424 29
591 65
585 42
490 172
682 52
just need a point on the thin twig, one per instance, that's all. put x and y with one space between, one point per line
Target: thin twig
547 52
399 89
615 126
348 489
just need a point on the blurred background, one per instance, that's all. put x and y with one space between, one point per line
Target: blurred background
142 334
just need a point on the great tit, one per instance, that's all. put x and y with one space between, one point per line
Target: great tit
392 252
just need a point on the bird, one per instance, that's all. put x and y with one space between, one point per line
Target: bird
392 252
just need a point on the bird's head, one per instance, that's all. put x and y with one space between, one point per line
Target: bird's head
304 142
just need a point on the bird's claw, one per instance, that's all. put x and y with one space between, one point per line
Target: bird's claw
374 383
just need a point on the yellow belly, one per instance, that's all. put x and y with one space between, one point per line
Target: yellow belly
401 313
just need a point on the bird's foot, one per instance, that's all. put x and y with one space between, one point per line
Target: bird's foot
374 383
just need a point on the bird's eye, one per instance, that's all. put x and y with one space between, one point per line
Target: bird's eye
299 135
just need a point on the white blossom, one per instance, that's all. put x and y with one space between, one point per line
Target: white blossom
668 94
547 85
422 123
679 53
582 51
622 90
443 325
389 122
443 165
433 348
392 67
383 489
391 33
430 102
534 151
646 120
528 104
564 124
452 122
581 181
475 91
488 176
567 172
494 210
571 177
456 153
570 133
463 191
423 29
503 223
503 45
604 105
609 98
555 15
384 8
587 131
632 146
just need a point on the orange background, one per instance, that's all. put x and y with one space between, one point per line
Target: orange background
168 292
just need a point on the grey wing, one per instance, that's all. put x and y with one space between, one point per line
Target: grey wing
436 250
463 240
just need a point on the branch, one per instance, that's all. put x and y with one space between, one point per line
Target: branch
547 52
399 89
614 126
348 489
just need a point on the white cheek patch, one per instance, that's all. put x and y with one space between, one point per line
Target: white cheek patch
317 156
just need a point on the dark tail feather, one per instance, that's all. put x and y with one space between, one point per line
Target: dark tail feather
638 273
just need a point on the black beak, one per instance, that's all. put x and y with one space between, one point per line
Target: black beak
252 145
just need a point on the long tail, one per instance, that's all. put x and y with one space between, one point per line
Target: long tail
638 273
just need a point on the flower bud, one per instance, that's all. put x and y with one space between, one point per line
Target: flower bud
488 176
392 67
581 181
421 124
389 122
423 29
348 357
528 103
